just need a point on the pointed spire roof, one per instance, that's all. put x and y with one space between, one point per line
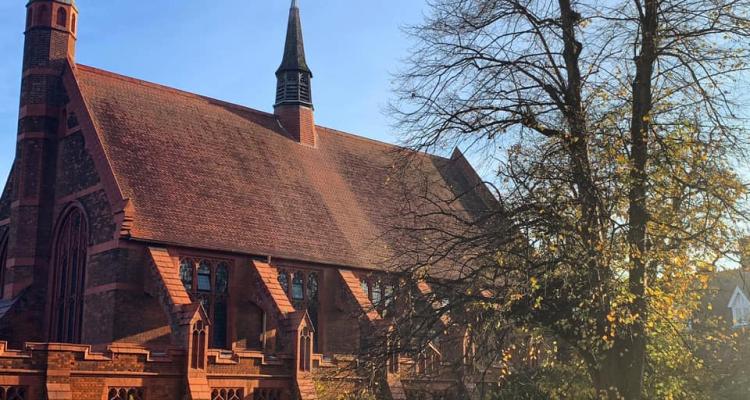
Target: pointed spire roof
294 50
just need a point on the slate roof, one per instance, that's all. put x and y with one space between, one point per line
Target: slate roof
207 174
294 47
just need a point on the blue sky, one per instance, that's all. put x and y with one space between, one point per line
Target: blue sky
229 50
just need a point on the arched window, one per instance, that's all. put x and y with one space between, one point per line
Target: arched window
305 359
207 281
62 17
3 262
73 23
304 293
284 280
69 273
198 355
298 287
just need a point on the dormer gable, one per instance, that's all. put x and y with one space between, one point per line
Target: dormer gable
740 306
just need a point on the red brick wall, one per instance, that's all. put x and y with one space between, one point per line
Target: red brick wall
342 319
89 376
299 122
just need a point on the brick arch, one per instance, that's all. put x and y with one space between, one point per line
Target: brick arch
62 17
67 277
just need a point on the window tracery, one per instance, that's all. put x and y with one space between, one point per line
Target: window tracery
13 393
380 291
207 281
303 292
227 394
69 273
125 394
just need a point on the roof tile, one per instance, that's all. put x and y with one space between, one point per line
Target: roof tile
206 174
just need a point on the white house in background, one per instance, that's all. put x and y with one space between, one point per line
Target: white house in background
740 307
728 297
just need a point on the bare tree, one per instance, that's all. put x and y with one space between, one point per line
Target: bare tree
614 131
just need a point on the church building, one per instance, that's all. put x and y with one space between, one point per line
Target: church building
158 244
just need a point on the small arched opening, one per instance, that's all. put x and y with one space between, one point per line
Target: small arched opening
62 17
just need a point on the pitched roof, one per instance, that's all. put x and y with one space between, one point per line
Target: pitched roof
723 284
207 174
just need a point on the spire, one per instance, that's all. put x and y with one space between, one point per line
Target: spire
293 74
294 106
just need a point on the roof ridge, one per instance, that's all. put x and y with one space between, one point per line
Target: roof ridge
176 91
188 94
379 142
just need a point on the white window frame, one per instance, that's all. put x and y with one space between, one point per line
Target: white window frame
740 306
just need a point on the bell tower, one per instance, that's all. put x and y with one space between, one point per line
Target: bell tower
50 38
51 28
294 106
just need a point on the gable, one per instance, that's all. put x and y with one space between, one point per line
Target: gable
739 299
206 174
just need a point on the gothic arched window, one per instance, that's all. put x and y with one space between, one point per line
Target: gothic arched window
62 17
3 262
298 287
207 281
69 273
303 292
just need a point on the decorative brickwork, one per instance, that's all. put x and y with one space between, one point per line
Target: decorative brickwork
227 394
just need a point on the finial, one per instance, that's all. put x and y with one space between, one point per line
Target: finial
295 4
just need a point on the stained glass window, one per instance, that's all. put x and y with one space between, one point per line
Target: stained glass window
377 294
186 273
312 286
71 245
284 281
222 278
298 286
211 289
303 291
204 276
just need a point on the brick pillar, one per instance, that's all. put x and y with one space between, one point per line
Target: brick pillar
49 43
299 122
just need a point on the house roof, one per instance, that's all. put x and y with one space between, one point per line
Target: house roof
723 285
207 174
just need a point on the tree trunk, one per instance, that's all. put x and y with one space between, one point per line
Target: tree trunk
622 372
